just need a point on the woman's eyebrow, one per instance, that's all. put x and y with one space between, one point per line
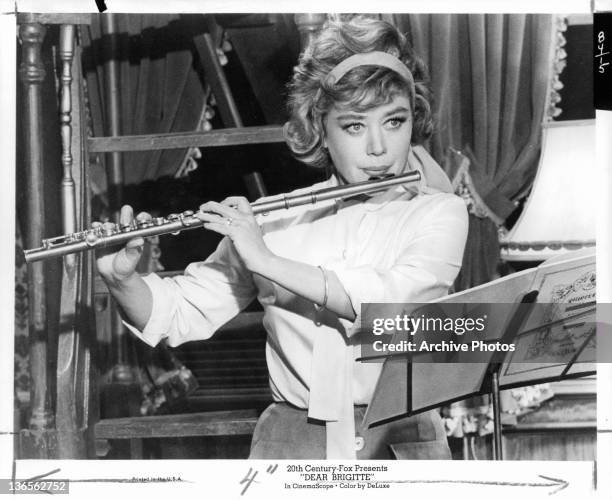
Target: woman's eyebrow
359 116
399 109
350 116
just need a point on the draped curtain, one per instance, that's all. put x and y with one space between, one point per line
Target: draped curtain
490 76
161 89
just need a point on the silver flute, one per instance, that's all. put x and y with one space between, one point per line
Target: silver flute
115 234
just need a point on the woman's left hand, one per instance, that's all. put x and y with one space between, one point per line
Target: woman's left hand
234 218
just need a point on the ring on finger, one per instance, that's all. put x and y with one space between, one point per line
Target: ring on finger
229 221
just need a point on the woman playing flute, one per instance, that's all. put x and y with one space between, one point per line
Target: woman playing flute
359 109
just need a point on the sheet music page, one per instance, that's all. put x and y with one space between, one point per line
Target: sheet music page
561 326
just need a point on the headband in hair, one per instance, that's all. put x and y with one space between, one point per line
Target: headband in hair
376 58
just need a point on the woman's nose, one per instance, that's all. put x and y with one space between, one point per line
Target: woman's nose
376 142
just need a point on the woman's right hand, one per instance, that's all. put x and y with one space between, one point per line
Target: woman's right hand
117 266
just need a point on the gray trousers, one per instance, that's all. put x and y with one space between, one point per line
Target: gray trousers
285 432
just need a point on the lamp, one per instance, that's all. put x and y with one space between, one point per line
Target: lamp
560 213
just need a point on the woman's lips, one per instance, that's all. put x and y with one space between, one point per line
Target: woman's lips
376 170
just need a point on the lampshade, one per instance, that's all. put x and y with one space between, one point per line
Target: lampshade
560 212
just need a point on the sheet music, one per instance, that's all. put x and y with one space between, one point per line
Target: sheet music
562 330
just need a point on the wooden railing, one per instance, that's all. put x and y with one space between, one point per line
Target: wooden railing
213 138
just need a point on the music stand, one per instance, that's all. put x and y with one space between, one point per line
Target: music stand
399 391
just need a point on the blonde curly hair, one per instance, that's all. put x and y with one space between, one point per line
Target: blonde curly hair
311 96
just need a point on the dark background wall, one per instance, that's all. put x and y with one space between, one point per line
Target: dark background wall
577 78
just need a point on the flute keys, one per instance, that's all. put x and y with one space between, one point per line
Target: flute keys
108 230
187 218
174 218
91 238
144 224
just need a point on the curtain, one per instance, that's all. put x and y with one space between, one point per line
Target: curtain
490 77
161 89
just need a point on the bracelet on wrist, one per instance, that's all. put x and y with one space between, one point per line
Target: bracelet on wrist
323 304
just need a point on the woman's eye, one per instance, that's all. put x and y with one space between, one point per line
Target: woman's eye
353 128
396 122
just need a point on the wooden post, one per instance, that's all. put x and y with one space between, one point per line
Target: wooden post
32 74
113 117
74 348
66 53
114 176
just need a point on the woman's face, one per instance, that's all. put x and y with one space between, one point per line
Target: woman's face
364 144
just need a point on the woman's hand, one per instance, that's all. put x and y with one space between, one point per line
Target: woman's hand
234 218
117 266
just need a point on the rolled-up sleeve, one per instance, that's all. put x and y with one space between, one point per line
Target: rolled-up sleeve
428 261
193 306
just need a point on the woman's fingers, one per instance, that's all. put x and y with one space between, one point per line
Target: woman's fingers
134 247
219 209
135 243
233 208
218 227
211 217
240 203
126 215
143 216
126 260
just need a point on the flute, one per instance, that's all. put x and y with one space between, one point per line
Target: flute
102 237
